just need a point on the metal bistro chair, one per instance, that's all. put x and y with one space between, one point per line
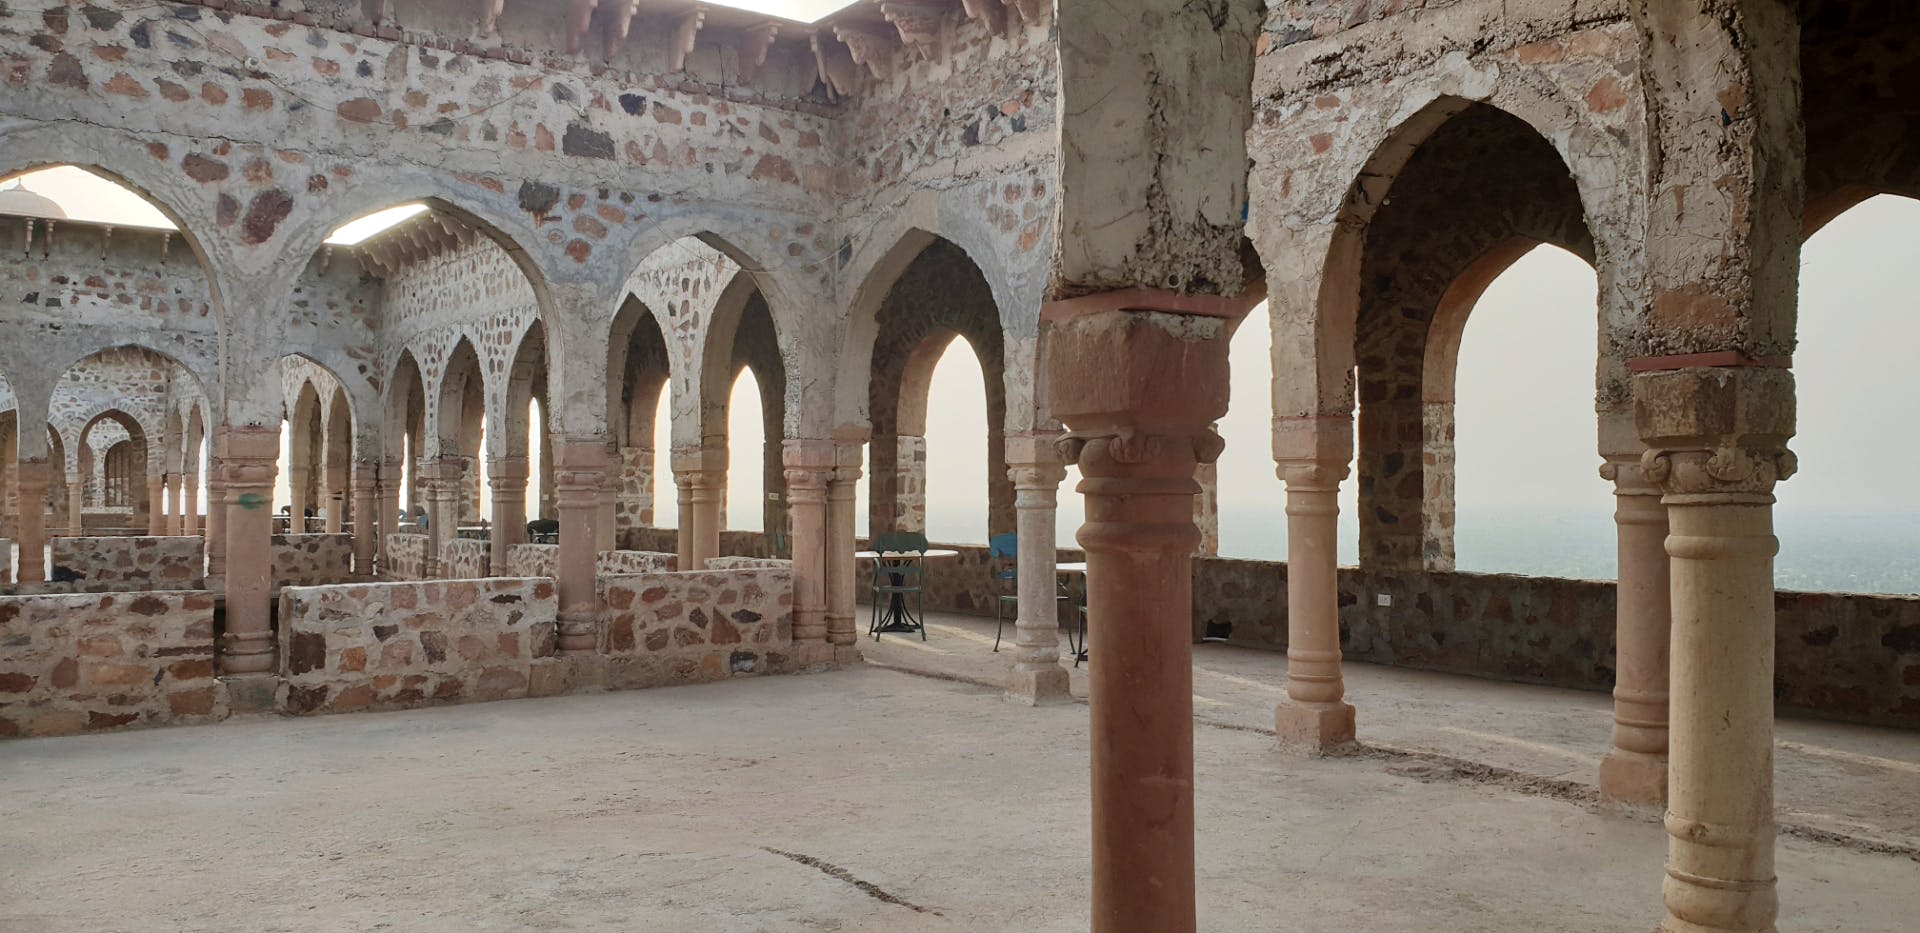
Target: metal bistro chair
894 579
1003 552
543 531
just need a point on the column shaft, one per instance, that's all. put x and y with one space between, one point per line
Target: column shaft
216 509
190 504
156 504
249 467
683 486
1315 718
1035 675
508 477
809 466
1635 770
1138 389
76 507
30 490
367 520
578 481
841 586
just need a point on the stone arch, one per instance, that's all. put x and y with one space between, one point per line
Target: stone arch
936 290
1478 189
132 488
405 412
639 371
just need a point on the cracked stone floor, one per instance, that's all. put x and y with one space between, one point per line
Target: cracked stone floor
876 799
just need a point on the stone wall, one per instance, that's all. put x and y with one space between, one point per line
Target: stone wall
612 563
406 557
101 565
467 559
312 559
79 663
532 560
542 560
667 628
1844 656
747 563
396 645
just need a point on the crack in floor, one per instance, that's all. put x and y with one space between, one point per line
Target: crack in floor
840 874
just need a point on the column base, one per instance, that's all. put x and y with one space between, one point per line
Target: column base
558 676
1314 729
1039 688
252 693
820 656
1633 779
240 658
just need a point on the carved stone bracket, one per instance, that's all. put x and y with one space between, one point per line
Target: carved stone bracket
871 49
754 43
837 69
922 25
686 32
989 13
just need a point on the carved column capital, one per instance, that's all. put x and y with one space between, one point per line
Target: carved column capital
1311 475
1716 434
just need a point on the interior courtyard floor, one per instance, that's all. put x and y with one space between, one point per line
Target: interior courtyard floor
878 799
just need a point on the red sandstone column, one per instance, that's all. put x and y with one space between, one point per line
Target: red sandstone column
841 590
250 466
1635 771
190 504
1036 677
508 477
175 522
30 490
709 498
76 506
809 466
389 509
1138 390
365 483
608 525
1312 454
216 508
580 474
156 504
683 485
1716 447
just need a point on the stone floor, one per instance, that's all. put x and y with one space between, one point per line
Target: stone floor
878 800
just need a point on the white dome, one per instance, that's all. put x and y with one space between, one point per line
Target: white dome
24 203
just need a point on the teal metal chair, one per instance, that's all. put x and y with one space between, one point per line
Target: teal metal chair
1003 554
895 578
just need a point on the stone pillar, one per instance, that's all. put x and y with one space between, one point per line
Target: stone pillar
298 477
1635 771
1138 389
249 465
910 483
707 468
440 481
76 506
842 632
508 477
1206 508
578 481
336 508
683 486
1716 446
606 528
1035 676
1312 454
190 504
216 509
175 523
389 508
810 466
156 504
368 523
30 490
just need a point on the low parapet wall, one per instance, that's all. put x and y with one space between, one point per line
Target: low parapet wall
396 645
406 557
748 563
312 559
669 628
74 663
467 559
119 565
543 560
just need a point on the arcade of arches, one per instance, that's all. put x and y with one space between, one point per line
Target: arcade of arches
375 471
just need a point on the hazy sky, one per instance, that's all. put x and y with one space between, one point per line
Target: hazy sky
1524 416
